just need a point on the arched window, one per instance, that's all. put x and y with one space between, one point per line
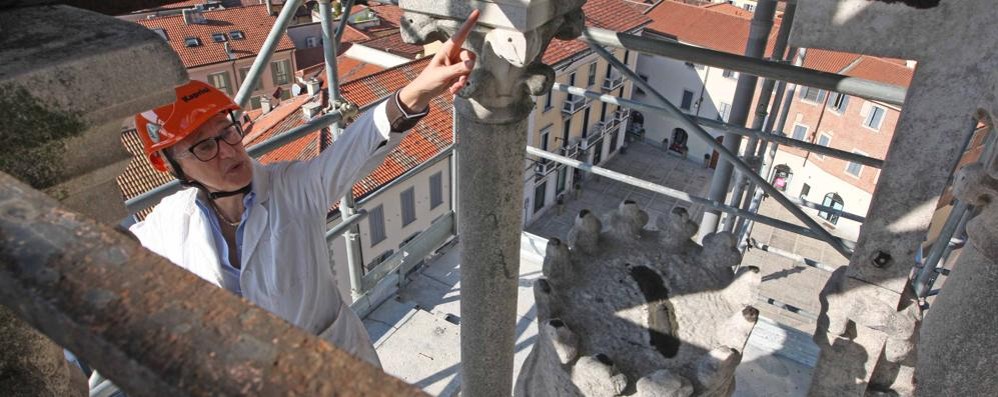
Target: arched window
782 174
679 138
831 200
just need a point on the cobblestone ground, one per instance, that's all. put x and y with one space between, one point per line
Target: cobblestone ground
784 281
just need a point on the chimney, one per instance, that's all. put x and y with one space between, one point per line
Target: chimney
228 50
270 7
194 16
313 85
910 64
265 104
311 109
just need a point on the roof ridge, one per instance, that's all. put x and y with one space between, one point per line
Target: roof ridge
852 65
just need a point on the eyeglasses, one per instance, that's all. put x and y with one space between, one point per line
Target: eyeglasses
207 149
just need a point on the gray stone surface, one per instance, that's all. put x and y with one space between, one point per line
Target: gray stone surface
956 354
621 303
947 90
66 85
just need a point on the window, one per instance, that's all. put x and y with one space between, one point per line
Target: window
219 37
834 201
823 140
221 81
602 113
838 102
237 35
613 140
627 57
539 192
313 41
804 191
875 118
547 101
592 75
192 41
687 102
281 71
749 7
254 102
800 132
731 74
812 94
242 77
854 169
562 179
566 132
436 190
571 82
585 123
545 134
638 90
162 33
782 174
376 222
408 199
723 112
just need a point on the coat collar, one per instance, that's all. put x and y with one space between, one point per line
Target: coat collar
255 225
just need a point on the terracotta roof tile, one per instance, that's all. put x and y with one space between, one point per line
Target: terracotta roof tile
615 15
253 21
877 69
730 9
393 44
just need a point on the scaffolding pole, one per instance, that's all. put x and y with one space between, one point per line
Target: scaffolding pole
867 89
724 153
266 51
720 182
720 125
765 96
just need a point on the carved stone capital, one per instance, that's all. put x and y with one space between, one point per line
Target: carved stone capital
509 41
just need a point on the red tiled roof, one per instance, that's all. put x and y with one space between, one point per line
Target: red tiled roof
877 69
393 44
703 27
253 21
729 9
615 15
707 27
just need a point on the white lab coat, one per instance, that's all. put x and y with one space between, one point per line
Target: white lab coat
286 267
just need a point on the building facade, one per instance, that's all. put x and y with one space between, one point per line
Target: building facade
219 46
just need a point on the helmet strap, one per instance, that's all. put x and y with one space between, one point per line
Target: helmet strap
184 181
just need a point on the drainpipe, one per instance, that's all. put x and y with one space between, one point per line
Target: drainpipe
762 23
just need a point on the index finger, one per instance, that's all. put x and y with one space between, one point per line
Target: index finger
462 33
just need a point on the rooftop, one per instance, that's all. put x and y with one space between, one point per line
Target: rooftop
252 24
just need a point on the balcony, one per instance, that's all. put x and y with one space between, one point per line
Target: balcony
595 135
543 167
574 103
570 151
613 82
621 115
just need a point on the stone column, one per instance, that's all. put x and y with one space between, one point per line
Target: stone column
957 353
492 113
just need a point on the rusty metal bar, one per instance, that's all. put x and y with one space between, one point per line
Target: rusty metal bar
152 327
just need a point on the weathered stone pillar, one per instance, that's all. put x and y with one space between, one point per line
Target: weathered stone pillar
868 325
67 80
957 353
492 113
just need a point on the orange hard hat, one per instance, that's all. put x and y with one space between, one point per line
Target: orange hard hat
165 126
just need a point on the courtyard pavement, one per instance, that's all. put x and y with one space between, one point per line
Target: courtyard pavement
417 334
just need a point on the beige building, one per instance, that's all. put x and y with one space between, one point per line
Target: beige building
219 46
575 126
